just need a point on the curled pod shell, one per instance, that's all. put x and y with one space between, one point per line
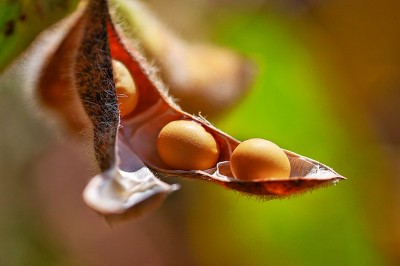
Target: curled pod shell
76 84
55 91
125 148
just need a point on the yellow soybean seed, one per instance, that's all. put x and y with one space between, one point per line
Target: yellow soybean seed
186 145
259 159
125 87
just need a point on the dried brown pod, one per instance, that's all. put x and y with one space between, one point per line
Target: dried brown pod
126 148
56 91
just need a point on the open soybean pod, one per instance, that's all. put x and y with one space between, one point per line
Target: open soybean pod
126 147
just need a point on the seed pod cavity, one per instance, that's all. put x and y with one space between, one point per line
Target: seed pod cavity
141 131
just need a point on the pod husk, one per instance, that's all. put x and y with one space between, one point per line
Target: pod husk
76 83
125 149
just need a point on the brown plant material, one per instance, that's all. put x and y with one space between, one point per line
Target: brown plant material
126 148
55 89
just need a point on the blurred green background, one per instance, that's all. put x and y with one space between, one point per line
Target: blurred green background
327 87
